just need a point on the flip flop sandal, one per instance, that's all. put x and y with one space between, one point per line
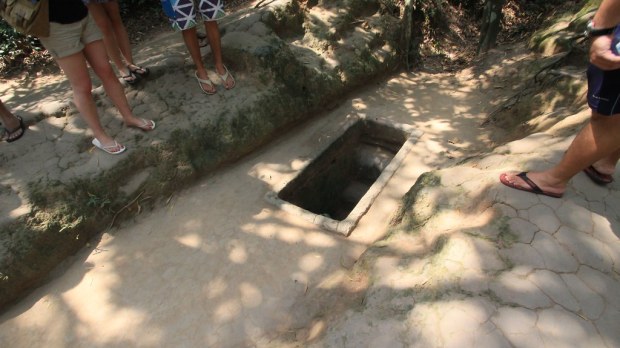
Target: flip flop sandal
225 77
138 70
10 134
130 79
113 149
532 186
598 177
146 125
206 82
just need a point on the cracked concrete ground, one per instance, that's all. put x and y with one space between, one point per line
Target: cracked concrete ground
220 267
513 269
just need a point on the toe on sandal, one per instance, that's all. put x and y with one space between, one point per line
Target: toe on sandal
531 186
225 77
113 149
146 125
15 134
130 78
206 82
138 70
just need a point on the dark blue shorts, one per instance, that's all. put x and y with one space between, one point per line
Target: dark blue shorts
604 91
182 13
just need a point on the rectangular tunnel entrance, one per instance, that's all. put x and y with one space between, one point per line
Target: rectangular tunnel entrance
338 186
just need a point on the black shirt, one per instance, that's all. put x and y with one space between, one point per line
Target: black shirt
67 11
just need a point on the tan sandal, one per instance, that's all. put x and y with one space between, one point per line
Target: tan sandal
225 77
206 82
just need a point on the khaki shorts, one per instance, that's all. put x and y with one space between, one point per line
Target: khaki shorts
68 39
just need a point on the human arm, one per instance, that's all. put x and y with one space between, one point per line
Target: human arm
607 16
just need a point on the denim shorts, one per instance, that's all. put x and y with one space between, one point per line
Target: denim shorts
182 13
604 90
67 39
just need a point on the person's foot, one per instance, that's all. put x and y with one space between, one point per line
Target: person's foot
14 129
532 182
142 124
138 70
604 168
227 79
12 122
205 84
110 146
129 78
600 176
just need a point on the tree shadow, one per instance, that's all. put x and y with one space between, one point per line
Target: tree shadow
245 272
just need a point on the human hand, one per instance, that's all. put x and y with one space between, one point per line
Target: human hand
601 54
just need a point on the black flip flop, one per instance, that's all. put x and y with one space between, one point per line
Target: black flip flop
138 70
130 79
533 187
21 127
598 177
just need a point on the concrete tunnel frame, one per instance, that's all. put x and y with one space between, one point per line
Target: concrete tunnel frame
346 225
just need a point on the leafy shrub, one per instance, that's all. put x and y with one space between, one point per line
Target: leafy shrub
131 8
17 50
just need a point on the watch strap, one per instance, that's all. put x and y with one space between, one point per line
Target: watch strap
591 31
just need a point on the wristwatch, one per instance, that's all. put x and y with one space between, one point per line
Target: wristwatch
591 31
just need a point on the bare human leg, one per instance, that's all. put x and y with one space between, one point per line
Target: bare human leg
122 39
213 34
13 125
95 55
118 27
8 119
110 39
74 67
597 141
191 42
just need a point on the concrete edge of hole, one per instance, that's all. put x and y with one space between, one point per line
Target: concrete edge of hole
346 226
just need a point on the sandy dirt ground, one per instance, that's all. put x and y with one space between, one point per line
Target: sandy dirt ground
218 265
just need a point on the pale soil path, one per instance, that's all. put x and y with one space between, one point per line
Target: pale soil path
218 266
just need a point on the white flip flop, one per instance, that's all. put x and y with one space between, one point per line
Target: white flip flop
206 82
225 77
109 148
146 125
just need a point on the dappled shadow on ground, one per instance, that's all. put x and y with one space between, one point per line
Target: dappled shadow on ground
217 266
214 267
194 134
488 268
